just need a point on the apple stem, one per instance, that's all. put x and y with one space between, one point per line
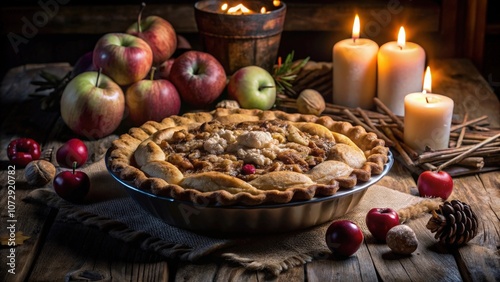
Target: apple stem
74 167
267 86
151 76
98 76
143 5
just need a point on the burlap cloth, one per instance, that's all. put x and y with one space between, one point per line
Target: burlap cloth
111 210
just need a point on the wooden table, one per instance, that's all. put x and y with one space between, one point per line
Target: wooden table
60 250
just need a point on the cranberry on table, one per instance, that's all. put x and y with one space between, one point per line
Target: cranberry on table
21 151
435 184
73 151
72 185
380 220
343 238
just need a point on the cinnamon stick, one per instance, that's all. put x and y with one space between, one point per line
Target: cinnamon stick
366 126
389 112
446 153
466 153
462 132
458 126
474 162
397 145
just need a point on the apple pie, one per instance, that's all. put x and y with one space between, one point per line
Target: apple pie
246 157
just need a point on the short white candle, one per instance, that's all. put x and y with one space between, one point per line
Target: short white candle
400 68
355 70
427 119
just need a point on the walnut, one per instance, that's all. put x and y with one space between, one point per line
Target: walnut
402 240
310 101
40 172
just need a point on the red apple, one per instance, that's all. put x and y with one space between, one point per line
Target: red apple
183 43
380 220
83 64
74 151
199 78
343 238
253 87
22 151
72 185
158 33
152 100
435 184
92 105
123 57
164 69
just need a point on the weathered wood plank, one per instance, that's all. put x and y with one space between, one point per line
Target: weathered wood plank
358 267
479 258
32 221
73 251
400 179
460 80
100 19
428 262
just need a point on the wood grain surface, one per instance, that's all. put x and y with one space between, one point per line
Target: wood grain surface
63 250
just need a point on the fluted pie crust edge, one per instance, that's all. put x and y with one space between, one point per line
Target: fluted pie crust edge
347 155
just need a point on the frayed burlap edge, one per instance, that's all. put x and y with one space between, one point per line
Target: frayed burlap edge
274 269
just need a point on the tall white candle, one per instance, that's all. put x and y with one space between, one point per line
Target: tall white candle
427 119
400 68
355 70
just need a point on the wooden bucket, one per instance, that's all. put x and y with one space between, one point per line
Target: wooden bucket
241 40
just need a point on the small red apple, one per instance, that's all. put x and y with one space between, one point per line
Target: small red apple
435 184
21 151
158 33
123 57
72 186
71 152
199 78
380 220
343 238
152 100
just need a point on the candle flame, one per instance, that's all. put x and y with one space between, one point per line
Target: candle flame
427 81
401 38
263 10
224 7
276 3
355 28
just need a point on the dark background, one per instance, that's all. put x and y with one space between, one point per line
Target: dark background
51 46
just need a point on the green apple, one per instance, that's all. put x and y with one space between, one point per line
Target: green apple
92 105
253 87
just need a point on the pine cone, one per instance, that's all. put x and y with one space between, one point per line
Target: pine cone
454 223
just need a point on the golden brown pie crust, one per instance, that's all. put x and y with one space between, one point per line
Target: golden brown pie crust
142 156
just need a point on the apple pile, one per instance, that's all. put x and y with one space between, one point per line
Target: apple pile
133 75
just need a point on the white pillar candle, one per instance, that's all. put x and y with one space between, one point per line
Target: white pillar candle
427 119
400 68
355 70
